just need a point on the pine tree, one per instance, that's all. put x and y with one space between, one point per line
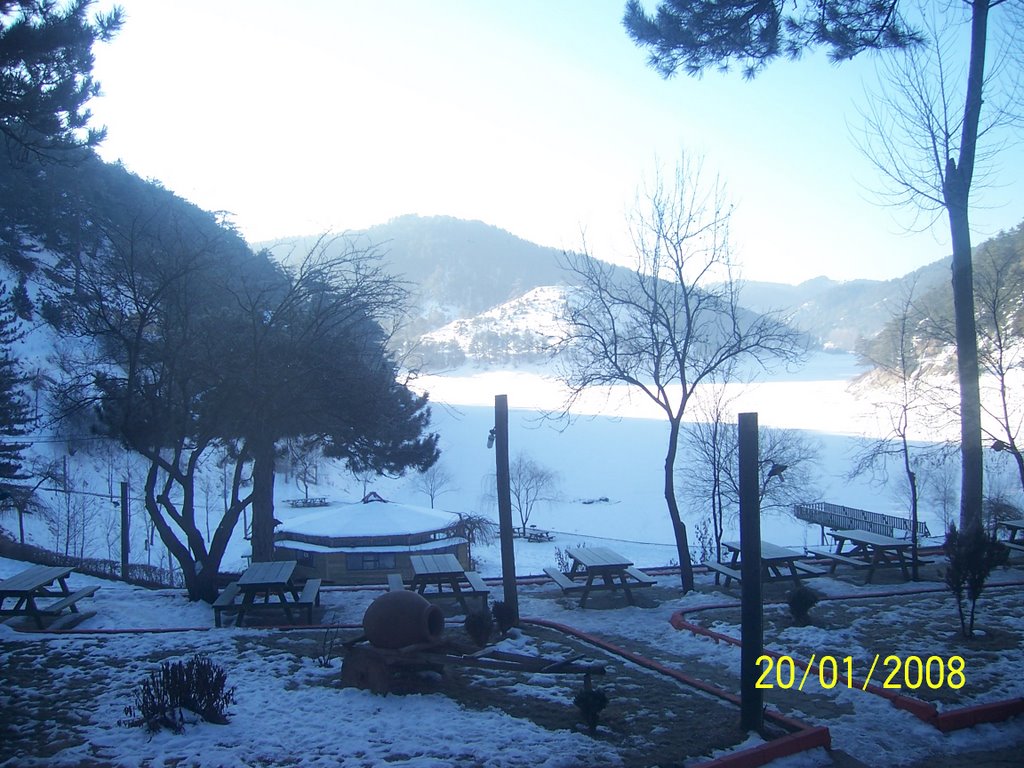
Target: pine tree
14 406
46 78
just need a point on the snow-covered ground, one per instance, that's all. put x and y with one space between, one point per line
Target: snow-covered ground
288 708
608 461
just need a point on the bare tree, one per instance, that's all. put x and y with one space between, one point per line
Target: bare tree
931 151
785 471
530 483
712 444
434 482
895 356
304 456
939 487
671 323
998 288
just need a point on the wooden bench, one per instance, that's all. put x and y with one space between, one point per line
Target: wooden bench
477 586
225 601
537 535
1013 546
563 581
723 570
836 558
67 602
642 578
395 583
309 597
809 569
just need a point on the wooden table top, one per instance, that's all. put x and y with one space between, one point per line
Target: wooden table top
272 574
873 539
769 551
1013 525
436 565
34 578
599 557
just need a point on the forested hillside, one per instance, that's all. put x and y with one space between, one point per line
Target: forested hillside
998 300
455 269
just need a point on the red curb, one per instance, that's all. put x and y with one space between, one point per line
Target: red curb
994 712
762 754
966 717
801 738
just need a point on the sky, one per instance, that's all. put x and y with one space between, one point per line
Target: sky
537 117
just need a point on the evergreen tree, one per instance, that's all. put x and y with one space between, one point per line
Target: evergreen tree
694 35
46 78
14 406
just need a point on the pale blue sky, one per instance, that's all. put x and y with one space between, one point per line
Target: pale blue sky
537 116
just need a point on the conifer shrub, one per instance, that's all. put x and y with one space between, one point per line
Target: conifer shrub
801 600
503 616
973 555
197 685
479 625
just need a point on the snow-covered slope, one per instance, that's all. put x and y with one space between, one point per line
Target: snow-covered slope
523 329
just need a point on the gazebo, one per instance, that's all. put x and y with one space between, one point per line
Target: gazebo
361 542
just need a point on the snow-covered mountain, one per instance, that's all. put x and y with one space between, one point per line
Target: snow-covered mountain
523 329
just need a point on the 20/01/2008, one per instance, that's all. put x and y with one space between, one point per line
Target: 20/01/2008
933 672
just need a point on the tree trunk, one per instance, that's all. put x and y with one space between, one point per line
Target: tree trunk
262 500
956 190
971 478
678 526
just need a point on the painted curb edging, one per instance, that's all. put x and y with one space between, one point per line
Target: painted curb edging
801 738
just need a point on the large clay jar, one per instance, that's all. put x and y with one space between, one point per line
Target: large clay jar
401 618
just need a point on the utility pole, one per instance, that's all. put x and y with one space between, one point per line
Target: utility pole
508 552
125 531
751 610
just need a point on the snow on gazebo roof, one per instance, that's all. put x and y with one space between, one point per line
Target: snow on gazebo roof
369 518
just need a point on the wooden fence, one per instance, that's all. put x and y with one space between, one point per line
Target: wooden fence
838 517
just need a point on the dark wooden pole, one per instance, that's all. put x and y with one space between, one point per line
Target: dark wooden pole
125 526
508 552
752 630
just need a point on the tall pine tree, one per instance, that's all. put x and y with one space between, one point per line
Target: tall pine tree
14 406
46 75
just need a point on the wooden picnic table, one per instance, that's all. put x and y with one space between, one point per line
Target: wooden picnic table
870 549
1015 527
28 586
273 580
776 563
444 570
604 569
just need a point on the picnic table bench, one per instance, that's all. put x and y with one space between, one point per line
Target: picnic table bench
868 550
442 571
535 534
26 588
311 501
1015 527
268 580
777 563
603 569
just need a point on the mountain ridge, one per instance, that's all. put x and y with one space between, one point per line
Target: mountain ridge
464 268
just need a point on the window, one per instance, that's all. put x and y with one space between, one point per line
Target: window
369 561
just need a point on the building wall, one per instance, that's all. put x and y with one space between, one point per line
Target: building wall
335 567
